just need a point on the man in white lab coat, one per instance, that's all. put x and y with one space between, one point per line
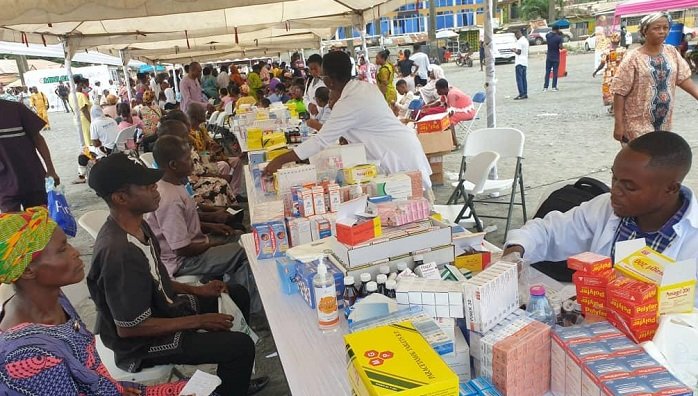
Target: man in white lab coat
314 82
647 200
361 115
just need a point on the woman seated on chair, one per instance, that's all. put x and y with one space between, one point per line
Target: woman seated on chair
45 348
127 118
430 96
459 104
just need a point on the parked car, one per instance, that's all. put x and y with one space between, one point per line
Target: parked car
537 36
502 48
590 43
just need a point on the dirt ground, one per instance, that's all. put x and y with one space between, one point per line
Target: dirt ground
568 135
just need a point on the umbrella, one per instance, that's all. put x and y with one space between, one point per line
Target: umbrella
562 23
447 34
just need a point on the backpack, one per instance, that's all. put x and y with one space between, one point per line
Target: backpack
562 200
62 90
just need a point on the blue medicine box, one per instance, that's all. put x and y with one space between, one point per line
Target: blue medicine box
286 268
304 278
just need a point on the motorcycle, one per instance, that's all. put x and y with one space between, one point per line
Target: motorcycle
464 59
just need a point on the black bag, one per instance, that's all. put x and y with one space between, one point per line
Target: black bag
562 200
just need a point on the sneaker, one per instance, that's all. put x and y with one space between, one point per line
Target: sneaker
518 97
555 89
545 89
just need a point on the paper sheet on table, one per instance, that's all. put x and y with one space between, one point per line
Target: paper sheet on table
200 384
675 341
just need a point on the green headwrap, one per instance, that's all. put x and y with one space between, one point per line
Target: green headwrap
23 236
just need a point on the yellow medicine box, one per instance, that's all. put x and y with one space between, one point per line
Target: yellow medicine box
396 360
360 174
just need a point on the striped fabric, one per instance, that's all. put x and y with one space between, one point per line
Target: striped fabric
12 132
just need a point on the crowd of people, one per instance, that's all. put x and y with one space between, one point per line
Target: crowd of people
173 219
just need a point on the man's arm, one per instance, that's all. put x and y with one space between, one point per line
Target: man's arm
153 327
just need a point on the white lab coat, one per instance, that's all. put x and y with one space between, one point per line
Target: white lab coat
591 227
310 87
361 115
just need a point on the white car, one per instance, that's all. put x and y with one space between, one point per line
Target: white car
503 43
590 43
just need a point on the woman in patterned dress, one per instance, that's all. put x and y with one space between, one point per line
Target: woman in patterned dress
611 59
646 80
45 348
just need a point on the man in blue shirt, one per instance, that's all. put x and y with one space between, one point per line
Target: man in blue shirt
552 60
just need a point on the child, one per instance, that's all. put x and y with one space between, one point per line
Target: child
402 106
264 103
297 99
225 97
322 98
279 94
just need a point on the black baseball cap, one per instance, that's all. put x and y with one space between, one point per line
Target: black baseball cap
118 170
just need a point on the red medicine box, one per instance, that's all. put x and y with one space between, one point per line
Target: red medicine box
631 290
589 262
599 280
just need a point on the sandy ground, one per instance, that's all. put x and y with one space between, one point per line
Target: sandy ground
568 135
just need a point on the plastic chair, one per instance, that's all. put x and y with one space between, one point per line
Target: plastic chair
148 159
416 105
122 139
160 374
472 183
228 108
93 220
467 127
508 143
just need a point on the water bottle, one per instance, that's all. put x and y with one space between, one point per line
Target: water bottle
539 307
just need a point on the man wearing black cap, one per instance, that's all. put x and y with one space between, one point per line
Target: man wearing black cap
144 317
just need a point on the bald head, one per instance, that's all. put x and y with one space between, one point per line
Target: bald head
666 150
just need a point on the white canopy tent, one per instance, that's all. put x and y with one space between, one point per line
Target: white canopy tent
56 51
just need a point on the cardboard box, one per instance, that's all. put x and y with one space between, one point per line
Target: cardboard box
631 290
270 239
413 237
474 262
354 225
437 142
658 384
360 173
402 364
491 295
590 263
593 292
597 280
433 123
676 281
631 309
637 334
304 278
595 373
286 268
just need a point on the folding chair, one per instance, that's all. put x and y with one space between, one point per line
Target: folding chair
416 105
147 159
508 143
478 101
92 221
472 183
161 373
125 141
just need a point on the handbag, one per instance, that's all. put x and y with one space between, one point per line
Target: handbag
58 208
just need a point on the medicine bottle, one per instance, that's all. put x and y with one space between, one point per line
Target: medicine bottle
371 287
384 269
380 280
365 278
325 299
390 288
350 292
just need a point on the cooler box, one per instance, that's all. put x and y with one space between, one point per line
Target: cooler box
562 69
675 34
304 279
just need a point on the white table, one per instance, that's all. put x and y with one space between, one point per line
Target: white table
314 362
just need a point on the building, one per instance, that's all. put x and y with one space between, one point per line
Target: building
450 14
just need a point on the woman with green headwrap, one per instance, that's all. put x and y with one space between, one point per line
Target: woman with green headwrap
44 346
645 83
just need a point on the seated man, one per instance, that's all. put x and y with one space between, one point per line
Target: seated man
322 101
103 132
145 318
175 223
647 200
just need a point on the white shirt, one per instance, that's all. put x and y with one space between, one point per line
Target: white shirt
361 116
591 227
170 96
105 130
422 60
323 113
311 86
521 45
223 80
403 103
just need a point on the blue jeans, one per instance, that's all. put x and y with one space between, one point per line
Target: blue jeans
521 82
554 65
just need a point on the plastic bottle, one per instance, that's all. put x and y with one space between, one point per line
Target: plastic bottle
390 288
539 307
325 299
371 287
401 266
384 269
350 292
381 279
365 278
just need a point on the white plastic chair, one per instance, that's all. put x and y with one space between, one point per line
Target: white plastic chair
472 183
466 127
160 374
122 139
508 143
228 108
147 159
93 220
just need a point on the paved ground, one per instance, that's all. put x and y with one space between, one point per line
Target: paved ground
568 135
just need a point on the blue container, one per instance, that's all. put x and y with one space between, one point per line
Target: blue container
675 34
287 275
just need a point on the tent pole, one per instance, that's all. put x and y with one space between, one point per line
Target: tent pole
127 77
490 81
68 52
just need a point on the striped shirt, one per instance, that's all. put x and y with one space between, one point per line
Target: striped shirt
657 240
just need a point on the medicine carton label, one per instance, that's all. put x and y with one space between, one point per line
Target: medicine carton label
598 280
631 290
632 309
593 292
589 262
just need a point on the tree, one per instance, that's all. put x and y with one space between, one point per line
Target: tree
534 9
